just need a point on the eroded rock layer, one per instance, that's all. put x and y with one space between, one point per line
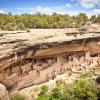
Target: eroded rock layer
30 63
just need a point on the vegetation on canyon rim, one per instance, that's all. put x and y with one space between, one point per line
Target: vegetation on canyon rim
21 22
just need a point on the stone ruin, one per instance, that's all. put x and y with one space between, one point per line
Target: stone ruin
37 64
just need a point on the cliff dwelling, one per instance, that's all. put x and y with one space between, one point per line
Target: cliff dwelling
37 57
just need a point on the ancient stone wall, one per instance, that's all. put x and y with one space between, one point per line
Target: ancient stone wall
45 64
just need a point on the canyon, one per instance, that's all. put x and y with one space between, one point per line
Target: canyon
35 57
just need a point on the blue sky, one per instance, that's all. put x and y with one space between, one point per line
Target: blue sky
72 7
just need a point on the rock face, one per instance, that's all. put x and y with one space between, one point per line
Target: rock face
3 93
36 57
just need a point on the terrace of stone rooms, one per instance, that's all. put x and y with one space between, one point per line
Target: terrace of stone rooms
37 56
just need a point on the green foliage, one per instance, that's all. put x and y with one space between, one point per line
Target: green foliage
42 23
83 89
18 97
60 83
98 19
21 26
86 75
93 18
98 93
56 92
82 18
24 21
43 97
44 89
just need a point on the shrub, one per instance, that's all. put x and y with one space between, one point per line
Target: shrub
83 89
60 82
28 31
56 92
86 75
44 89
18 97
43 97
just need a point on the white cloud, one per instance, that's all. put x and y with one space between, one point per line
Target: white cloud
63 9
44 10
3 12
58 9
25 8
88 3
68 5
50 10
96 11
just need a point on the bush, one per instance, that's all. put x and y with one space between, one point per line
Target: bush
86 75
18 97
60 82
56 92
28 31
83 89
98 79
43 97
44 89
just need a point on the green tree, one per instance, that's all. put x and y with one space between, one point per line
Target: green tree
98 19
82 18
93 18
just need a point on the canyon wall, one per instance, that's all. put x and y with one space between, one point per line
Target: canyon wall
35 66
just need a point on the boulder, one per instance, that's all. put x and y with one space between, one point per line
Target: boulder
3 93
